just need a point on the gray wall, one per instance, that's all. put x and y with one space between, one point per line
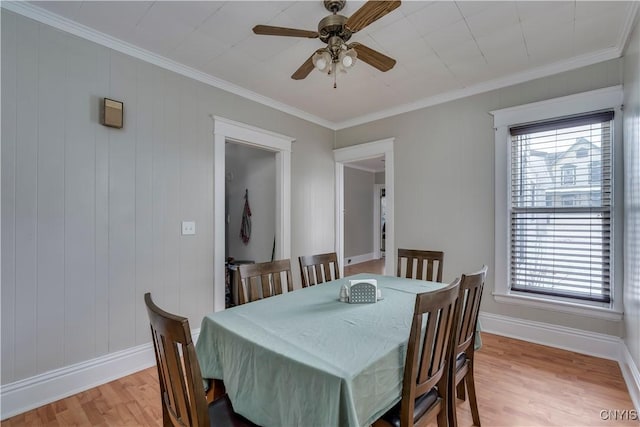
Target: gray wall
91 215
358 212
255 170
379 178
444 183
632 195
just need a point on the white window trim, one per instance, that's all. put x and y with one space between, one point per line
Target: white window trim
607 98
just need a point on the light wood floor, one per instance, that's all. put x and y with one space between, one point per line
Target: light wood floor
375 266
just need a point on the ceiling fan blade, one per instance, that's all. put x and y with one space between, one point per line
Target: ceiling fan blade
305 68
373 57
268 30
370 12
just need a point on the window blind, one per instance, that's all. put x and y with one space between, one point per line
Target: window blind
561 207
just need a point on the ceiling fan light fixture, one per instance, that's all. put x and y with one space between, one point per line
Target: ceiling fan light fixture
347 58
322 61
335 31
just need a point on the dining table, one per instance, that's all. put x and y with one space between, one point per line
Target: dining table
305 358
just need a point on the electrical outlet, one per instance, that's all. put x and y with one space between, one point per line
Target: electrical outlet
188 228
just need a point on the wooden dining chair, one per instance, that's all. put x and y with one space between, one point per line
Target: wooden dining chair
316 269
263 280
461 366
426 384
416 259
182 392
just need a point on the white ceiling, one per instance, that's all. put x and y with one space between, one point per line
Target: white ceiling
444 49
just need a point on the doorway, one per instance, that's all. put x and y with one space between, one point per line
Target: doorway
352 154
379 220
251 183
224 131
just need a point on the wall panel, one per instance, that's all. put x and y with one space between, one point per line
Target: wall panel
102 147
172 256
159 190
26 205
51 231
79 197
122 206
188 190
9 138
146 97
632 195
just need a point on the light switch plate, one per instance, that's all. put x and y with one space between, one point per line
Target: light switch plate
188 228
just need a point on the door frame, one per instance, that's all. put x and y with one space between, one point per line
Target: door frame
377 214
229 130
364 151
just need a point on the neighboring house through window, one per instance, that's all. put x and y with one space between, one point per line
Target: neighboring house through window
555 235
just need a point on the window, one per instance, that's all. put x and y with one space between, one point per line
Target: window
595 172
568 175
563 249
555 246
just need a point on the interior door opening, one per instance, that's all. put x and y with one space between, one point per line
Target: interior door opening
250 210
345 159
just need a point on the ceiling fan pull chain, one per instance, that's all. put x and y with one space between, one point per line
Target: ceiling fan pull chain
335 85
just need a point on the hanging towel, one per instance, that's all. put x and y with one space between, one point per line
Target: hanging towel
245 229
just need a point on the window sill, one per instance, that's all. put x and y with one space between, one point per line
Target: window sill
560 306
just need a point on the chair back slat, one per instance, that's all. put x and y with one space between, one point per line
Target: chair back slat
316 269
254 288
414 262
425 371
183 398
179 388
427 358
264 280
242 296
327 271
471 287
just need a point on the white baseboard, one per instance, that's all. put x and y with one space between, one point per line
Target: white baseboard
631 375
358 259
42 389
585 342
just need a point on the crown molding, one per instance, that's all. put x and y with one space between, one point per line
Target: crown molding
45 17
513 79
41 15
528 75
627 27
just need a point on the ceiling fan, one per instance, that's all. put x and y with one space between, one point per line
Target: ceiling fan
335 30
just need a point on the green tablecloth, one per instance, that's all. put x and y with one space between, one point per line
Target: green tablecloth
306 359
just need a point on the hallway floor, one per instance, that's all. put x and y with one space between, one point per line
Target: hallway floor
375 266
